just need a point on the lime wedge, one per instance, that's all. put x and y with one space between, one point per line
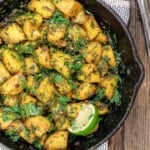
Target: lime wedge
86 121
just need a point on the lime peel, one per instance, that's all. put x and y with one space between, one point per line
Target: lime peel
86 120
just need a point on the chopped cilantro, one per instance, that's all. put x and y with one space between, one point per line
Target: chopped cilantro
58 18
116 99
99 95
30 109
63 99
13 135
24 49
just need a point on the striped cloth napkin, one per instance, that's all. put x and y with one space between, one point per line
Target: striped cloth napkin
122 8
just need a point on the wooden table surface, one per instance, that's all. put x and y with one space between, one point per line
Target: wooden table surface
135 133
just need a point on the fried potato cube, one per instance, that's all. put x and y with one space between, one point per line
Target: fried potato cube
45 91
12 34
44 7
109 84
102 38
12 61
102 67
27 135
10 100
92 28
56 32
60 61
76 32
102 108
62 84
35 18
31 84
16 125
1 42
39 125
92 53
62 123
84 91
14 85
30 31
107 52
30 66
73 109
89 73
68 7
57 141
80 18
4 124
42 56
4 74
25 99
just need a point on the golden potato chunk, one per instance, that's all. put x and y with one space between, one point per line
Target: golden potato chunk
68 7
108 53
109 84
62 84
16 125
14 85
84 91
102 108
56 32
62 123
10 100
92 53
27 135
80 18
13 62
24 99
1 42
4 74
31 84
102 67
45 91
102 38
42 57
35 18
73 109
44 7
76 32
12 34
92 28
30 31
30 66
89 73
39 125
60 61
57 141
6 119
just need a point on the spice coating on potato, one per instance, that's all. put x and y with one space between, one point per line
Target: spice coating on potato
4 74
14 85
44 7
58 140
45 91
13 62
12 34
39 125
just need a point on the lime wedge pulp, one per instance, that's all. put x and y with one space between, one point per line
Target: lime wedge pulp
86 120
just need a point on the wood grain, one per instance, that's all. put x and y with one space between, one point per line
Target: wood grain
135 133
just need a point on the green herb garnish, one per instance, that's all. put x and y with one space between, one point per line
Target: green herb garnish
58 18
116 99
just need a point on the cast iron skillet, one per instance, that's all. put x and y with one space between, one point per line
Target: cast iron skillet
112 122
